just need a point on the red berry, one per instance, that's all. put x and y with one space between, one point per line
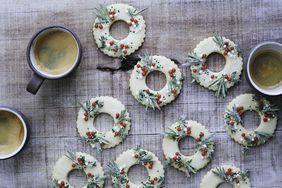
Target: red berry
85 118
155 178
178 129
265 119
127 186
136 156
152 181
237 181
94 104
129 24
93 133
212 76
177 153
85 114
174 158
100 26
122 45
132 19
135 21
194 70
117 115
111 43
201 134
204 66
138 65
188 131
115 49
125 51
225 52
62 183
204 56
150 167
173 70
231 123
73 165
243 135
125 46
116 133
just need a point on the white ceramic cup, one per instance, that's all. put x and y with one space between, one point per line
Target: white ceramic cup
25 125
273 46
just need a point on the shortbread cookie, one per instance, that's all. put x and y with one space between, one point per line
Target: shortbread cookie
204 147
228 76
106 16
147 96
234 124
131 157
78 161
226 174
107 105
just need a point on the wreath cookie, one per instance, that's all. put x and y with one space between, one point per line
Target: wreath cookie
234 124
226 174
204 148
228 76
131 157
106 16
151 98
78 161
108 105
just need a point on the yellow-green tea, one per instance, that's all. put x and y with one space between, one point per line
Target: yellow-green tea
266 69
11 132
55 52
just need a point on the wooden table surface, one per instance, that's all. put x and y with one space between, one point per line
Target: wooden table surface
174 27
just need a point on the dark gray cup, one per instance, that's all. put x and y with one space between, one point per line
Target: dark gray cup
39 76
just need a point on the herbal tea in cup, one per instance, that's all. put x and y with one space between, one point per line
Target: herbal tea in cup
264 68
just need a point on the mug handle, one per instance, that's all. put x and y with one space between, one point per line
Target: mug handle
34 84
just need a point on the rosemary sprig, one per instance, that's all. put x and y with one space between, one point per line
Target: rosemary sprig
206 143
255 139
221 86
135 12
189 168
218 39
98 139
80 162
149 99
232 116
194 59
229 178
117 173
92 109
143 155
181 163
103 14
96 181
172 134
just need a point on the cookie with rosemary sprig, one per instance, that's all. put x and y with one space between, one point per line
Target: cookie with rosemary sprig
203 151
137 156
226 174
235 125
103 105
106 16
78 161
228 76
148 97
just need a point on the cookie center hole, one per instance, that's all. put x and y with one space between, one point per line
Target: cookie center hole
187 146
77 178
156 80
215 62
119 30
251 120
137 174
225 185
103 122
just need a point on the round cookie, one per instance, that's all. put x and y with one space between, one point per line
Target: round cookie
106 16
234 124
204 147
131 157
147 96
226 174
78 161
91 109
228 76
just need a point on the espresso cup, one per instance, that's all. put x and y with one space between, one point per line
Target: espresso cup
52 53
13 125
253 61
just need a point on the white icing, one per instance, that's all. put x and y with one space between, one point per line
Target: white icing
64 166
170 146
127 160
245 101
233 63
211 180
137 82
111 107
135 37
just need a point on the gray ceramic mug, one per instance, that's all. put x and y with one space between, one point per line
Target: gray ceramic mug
26 129
39 76
273 46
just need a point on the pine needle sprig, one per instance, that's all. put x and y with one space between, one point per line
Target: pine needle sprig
116 173
189 168
135 12
149 99
80 162
143 155
218 39
96 181
172 134
232 116
221 86
103 14
194 59
92 110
